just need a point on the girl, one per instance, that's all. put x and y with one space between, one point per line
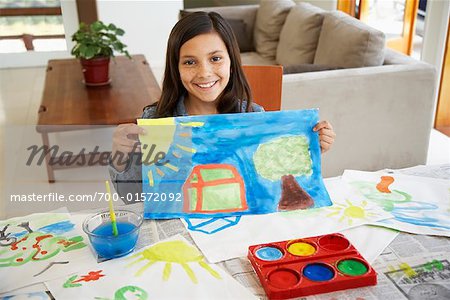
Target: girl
203 76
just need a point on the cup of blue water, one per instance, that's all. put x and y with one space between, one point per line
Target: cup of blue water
99 230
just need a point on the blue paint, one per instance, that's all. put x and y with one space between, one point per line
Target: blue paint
58 228
109 246
318 272
213 225
269 253
233 139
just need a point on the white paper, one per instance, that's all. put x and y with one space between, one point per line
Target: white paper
40 247
170 269
418 204
347 211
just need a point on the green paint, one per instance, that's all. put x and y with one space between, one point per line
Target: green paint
434 264
130 292
193 198
386 200
194 179
352 267
282 156
170 252
224 196
216 174
37 246
35 220
69 282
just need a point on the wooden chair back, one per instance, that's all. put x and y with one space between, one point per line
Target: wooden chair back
265 83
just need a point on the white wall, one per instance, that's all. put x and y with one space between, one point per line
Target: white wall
147 24
435 35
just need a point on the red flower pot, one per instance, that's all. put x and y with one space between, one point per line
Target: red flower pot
96 71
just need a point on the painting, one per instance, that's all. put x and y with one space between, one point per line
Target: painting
418 204
169 269
222 239
46 245
231 164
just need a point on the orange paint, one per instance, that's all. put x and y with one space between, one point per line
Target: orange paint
383 185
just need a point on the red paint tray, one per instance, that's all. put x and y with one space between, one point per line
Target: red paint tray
308 266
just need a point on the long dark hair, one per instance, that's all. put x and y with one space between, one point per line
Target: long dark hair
190 26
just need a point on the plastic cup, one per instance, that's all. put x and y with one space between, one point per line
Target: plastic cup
99 230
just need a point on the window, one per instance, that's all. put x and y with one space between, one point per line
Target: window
31 25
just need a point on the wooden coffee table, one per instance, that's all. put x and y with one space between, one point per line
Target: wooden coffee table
67 101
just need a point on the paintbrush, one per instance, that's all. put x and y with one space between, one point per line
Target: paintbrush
112 214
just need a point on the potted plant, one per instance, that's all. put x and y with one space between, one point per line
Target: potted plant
95 44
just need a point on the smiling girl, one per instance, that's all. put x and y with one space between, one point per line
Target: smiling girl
203 76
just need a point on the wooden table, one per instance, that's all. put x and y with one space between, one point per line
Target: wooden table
67 101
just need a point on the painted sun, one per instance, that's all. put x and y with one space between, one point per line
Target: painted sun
350 212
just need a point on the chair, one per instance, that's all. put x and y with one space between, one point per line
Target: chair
265 84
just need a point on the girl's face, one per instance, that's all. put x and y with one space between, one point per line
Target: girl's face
204 67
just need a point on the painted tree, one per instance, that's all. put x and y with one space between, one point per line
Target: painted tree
282 159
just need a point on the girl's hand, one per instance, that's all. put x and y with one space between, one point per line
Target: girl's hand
125 141
326 135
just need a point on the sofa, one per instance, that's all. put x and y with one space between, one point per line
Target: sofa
380 102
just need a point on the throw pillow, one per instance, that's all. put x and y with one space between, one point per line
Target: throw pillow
270 18
300 35
349 43
239 28
305 68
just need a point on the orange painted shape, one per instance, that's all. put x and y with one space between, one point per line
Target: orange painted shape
383 185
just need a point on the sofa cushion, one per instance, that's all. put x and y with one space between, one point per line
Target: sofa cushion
253 58
239 27
300 35
270 18
306 68
349 43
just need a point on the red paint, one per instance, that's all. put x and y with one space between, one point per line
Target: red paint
37 246
91 276
14 246
19 259
43 252
334 242
284 278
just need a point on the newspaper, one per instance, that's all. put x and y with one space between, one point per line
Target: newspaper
411 267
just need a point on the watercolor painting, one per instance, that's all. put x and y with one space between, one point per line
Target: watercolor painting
418 204
30 296
45 244
177 252
348 211
231 164
169 269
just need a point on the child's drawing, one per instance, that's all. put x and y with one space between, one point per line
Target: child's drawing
177 252
418 204
232 164
42 244
169 269
349 211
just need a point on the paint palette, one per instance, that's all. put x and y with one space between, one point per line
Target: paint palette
308 266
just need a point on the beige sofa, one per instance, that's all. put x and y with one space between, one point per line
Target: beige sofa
381 108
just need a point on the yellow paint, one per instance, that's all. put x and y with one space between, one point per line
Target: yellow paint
172 167
176 154
407 270
160 173
153 122
301 249
159 133
350 211
192 124
151 182
170 252
187 149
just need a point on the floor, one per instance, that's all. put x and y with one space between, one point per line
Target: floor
20 97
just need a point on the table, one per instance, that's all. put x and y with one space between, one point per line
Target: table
67 104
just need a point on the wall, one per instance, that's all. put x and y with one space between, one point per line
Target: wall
435 33
147 24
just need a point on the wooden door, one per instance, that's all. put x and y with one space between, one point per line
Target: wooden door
442 121
396 18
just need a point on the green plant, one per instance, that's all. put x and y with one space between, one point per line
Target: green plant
98 40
